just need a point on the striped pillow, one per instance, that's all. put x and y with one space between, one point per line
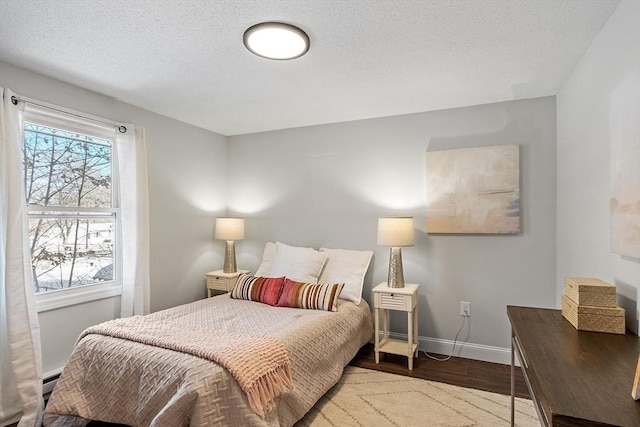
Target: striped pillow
309 295
261 289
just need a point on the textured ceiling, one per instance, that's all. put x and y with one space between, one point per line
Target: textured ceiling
368 58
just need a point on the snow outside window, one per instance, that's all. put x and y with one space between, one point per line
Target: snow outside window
69 178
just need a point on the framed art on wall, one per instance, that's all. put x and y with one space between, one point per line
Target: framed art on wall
474 190
624 128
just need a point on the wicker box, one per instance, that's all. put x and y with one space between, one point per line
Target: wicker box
595 319
591 292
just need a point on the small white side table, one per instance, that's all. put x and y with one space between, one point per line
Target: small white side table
399 299
221 281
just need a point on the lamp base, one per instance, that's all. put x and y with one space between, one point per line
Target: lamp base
230 257
396 275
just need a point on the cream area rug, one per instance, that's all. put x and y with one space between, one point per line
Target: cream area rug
370 398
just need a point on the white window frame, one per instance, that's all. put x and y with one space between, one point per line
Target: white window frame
74 122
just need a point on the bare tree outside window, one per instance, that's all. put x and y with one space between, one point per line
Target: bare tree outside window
68 183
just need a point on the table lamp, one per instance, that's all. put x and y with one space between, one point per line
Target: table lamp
395 232
229 229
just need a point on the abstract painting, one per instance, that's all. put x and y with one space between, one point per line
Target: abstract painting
474 190
624 128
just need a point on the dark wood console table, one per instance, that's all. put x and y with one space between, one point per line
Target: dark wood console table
575 378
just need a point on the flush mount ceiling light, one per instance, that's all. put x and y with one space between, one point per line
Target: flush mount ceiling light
276 40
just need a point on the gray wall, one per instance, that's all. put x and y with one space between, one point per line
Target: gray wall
584 171
187 190
327 185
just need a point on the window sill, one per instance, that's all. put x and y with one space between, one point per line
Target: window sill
66 297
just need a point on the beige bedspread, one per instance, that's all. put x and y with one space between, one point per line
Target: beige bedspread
120 381
259 363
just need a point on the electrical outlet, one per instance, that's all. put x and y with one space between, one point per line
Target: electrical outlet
465 308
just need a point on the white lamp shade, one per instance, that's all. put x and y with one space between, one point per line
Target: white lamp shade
229 228
395 231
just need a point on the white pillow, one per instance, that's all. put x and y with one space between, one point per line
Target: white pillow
296 263
348 267
267 260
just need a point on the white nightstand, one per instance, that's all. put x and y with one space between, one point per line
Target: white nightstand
399 299
221 281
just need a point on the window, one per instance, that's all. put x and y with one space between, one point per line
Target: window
69 175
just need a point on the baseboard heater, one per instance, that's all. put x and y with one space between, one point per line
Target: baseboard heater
49 382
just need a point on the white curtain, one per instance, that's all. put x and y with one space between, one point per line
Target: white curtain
20 353
134 213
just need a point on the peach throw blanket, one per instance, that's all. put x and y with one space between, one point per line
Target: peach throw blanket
258 363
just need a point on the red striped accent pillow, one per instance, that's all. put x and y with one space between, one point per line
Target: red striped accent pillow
309 295
262 289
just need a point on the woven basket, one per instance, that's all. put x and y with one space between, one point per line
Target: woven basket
591 292
595 319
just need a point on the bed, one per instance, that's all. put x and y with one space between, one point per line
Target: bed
118 380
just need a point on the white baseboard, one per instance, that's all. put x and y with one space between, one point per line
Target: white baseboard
467 350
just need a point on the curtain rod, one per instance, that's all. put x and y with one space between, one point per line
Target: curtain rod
15 100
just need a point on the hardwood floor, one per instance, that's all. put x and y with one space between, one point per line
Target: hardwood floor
476 374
